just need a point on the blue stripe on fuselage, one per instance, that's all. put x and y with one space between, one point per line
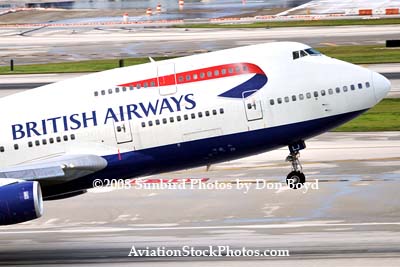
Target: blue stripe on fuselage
201 152
253 84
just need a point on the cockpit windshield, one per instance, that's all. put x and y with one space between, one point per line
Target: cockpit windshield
306 52
313 52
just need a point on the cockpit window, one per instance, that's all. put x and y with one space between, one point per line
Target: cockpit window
306 52
313 52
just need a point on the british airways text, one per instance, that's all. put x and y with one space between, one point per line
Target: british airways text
90 119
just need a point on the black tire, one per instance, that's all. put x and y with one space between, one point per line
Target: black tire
295 179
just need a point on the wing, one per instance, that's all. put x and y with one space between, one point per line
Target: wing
59 168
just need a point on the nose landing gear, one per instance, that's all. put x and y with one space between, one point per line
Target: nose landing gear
296 178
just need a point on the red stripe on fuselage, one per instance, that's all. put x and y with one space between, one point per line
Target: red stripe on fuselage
198 75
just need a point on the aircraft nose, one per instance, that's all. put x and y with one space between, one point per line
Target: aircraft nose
381 85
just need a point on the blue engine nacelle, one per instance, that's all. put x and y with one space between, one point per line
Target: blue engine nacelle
20 202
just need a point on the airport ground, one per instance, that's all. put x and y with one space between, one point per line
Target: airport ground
44 45
352 219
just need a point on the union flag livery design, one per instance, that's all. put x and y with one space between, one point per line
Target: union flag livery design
252 85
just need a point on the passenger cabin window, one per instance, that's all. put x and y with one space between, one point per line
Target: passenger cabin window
360 86
352 87
367 84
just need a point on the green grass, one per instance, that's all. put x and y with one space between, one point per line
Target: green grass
363 53
301 23
353 54
77 66
383 117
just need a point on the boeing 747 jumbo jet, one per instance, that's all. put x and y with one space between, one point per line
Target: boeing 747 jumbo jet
170 115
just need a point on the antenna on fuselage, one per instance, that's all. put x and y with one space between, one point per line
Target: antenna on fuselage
151 60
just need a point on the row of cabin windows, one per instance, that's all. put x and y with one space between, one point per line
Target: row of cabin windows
51 140
116 90
308 95
211 74
185 117
181 78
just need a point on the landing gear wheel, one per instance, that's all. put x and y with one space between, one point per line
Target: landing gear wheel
295 179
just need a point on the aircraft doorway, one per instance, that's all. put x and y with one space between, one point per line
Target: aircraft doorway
166 78
252 107
123 132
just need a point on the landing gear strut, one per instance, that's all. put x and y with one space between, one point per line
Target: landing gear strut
296 177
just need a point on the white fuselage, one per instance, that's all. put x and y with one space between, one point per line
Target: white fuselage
278 99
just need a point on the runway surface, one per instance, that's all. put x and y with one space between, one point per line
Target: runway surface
351 219
10 84
42 45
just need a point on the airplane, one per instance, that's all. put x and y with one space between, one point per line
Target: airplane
171 115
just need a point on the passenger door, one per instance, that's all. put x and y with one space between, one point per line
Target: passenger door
123 131
166 78
252 106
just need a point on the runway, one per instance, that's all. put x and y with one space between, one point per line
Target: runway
43 45
351 219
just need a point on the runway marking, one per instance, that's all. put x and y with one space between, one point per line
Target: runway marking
145 229
329 44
